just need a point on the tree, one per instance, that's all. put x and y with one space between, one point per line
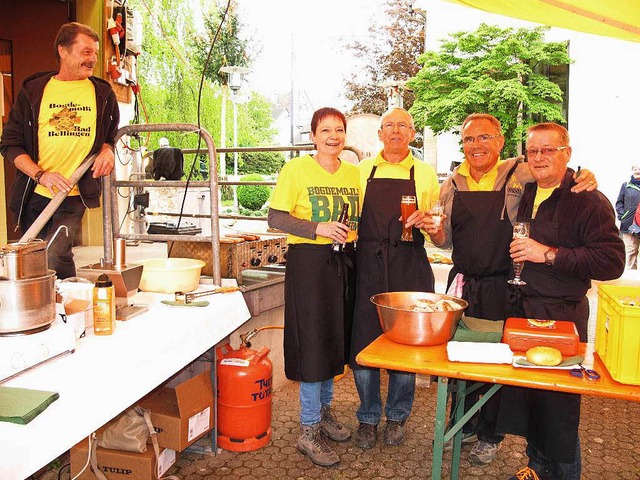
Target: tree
491 70
389 53
229 48
261 162
170 69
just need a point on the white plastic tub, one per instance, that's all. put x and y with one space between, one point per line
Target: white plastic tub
170 275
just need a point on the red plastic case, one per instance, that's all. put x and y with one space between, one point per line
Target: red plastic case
520 335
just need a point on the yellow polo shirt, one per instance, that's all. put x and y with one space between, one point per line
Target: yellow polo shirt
427 186
487 181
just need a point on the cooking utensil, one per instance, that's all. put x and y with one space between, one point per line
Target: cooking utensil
27 304
589 373
188 297
176 303
403 325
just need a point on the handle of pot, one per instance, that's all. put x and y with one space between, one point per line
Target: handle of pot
55 202
66 232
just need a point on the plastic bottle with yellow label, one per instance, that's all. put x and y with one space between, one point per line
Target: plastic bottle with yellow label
104 306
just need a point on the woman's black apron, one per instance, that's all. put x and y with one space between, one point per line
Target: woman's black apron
481 234
385 263
319 300
549 420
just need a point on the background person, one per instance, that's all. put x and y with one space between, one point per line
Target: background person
387 264
626 206
57 120
573 239
481 199
319 283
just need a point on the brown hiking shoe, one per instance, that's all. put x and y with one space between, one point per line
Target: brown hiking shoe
394 433
313 445
331 427
366 435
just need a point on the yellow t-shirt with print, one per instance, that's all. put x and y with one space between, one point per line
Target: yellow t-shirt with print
66 127
307 191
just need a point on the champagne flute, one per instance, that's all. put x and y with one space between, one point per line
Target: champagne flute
436 213
520 230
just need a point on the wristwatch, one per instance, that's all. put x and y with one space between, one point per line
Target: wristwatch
38 175
550 256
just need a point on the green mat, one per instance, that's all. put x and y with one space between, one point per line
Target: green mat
471 329
21 405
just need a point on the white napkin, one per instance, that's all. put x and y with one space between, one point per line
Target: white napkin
479 352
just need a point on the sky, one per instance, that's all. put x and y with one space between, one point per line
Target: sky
315 32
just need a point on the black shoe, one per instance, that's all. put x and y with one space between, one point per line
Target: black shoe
394 433
366 436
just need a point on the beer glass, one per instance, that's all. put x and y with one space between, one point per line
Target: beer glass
407 207
520 230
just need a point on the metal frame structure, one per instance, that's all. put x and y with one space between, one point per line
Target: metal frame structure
110 205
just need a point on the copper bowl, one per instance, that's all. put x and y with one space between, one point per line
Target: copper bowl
409 327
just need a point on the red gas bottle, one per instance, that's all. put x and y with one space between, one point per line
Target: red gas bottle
244 398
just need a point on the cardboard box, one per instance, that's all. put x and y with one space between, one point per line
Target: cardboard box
182 414
119 465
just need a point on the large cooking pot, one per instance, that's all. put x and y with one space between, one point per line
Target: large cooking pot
27 303
23 260
26 259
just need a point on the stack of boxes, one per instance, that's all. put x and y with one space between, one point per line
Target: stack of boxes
180 415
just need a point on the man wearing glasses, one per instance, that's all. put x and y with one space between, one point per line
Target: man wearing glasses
481 200
573 239
387 264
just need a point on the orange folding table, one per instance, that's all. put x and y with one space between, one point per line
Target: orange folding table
384 353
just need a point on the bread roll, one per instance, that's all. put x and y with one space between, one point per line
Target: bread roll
544 356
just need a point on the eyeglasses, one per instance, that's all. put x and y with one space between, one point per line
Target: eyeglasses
390 126
481 138
545 152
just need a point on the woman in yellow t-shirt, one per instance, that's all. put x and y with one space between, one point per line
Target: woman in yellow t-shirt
320 278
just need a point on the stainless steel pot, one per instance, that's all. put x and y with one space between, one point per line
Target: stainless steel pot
23 260
27 303
26 259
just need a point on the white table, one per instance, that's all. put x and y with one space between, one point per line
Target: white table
107 374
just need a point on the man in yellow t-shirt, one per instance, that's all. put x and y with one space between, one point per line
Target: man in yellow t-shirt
386 263
57 120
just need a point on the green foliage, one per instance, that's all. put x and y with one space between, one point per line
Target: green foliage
170 66
491 70
253 197
261 162
228 50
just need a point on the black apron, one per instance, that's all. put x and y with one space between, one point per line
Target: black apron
319 300
481 234
549 420
385 263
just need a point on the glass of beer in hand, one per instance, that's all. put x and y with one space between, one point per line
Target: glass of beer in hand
520 230
407 207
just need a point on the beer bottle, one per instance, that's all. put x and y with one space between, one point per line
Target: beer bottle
343 218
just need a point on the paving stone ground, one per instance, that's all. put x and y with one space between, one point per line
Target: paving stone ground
608 433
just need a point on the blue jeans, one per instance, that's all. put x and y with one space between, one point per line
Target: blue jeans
312 397
546 467
402 386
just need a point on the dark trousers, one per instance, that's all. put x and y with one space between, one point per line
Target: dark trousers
69 213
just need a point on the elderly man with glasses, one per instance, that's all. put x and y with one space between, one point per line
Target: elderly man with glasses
573 239
387 264
481 200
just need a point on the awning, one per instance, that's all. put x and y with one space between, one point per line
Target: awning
611 18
